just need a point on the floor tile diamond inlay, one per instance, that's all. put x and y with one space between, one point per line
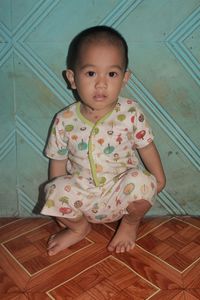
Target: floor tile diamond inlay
29 249
102 281
174 242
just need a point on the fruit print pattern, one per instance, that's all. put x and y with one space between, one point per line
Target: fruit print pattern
104 173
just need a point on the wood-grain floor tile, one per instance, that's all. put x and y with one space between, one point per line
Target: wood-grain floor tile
191 295
104 282
191 277
191 220
8 289
171 242
13 296
165 264
6 221
168 295
38 296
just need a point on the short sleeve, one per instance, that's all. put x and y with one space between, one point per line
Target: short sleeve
143 134
56 147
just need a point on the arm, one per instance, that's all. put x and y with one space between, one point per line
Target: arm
152 162
57 168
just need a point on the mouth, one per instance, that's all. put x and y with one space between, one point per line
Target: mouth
99 97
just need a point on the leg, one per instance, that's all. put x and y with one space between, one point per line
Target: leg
76 231
124 238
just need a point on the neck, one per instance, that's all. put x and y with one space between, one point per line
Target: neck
88 109
95 114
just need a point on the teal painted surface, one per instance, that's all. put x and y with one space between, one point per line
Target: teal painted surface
164 42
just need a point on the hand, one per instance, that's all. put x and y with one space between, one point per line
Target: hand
160 186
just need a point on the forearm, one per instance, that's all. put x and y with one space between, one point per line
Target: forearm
57 168
152 162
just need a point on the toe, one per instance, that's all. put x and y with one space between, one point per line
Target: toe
51 243
52 237
128 248
120 249
51 252
111 248
54 250
132 245
123 249
51 246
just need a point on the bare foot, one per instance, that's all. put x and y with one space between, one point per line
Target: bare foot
124 238
65 239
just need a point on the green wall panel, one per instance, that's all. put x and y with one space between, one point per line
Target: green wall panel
164 42
8 183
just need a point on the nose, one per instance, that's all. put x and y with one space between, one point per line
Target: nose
101 82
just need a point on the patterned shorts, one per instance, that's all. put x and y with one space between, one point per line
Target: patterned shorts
72 196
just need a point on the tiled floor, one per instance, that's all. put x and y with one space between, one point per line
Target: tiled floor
164 265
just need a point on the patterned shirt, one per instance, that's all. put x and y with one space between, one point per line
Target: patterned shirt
100 151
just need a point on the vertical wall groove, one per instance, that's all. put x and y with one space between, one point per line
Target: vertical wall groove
162 46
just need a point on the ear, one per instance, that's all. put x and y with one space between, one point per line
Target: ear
70 77
127 76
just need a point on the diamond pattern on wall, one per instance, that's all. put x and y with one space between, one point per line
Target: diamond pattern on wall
175 42
41 31
5 46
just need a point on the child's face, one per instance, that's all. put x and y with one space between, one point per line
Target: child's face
99 75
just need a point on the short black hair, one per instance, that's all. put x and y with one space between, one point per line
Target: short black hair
92 34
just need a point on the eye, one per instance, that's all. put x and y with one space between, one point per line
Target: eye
112 74
90 73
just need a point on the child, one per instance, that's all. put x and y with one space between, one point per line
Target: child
95 174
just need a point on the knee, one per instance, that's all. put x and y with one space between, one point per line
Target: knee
139 207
